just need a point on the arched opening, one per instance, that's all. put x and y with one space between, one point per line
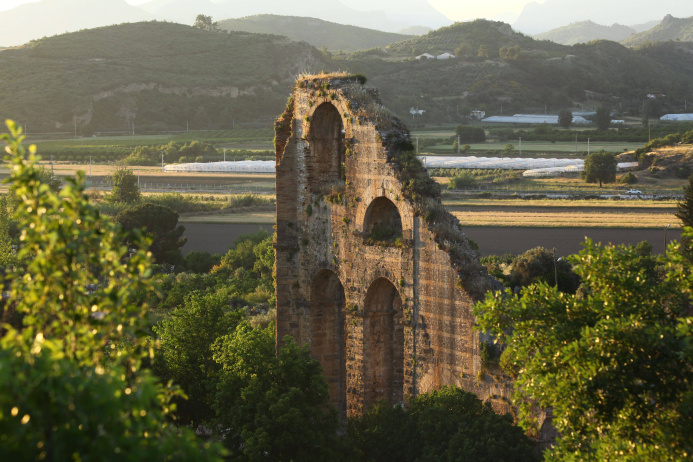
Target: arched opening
383 344
327 145
327 339
382 222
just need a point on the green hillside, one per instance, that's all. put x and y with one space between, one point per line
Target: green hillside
153 74
316 32
671 28
169 77
496 66
586 31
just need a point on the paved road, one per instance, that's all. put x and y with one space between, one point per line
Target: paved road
217 237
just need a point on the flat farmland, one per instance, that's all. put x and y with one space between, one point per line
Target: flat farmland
565 213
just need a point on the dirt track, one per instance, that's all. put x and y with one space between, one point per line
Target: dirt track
217 237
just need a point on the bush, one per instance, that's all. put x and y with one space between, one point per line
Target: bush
464 180
629 178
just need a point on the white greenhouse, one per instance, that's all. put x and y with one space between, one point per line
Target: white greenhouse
242 166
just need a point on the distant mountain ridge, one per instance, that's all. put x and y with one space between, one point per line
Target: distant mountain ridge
20 25
317 32
387 15
537 18
670 28
586 31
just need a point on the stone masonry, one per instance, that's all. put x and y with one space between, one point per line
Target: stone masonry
372 273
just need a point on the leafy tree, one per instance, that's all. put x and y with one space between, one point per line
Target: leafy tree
684 208
600 167
684 212
201 262
205 22
537 265
161 223
249 264
470 134
273 406
185 353
72 384
602 118
447 424
124 187
509 148
613 361
565 118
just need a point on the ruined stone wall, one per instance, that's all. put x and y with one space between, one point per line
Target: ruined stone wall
387 318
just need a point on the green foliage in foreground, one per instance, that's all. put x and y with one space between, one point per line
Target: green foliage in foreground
72 386
614 361
448 424
273 406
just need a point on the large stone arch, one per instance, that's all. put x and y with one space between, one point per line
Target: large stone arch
383 344
327 333
326 142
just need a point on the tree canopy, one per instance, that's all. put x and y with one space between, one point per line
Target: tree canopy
613 361
602 118
565 118
72 385
600 167
125 187
161 224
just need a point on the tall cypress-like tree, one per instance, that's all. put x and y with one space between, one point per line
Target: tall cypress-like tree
684 209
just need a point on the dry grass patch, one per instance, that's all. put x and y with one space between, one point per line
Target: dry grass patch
567 220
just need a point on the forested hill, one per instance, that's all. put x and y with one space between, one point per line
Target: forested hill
496 66
154 74
317 32
163 76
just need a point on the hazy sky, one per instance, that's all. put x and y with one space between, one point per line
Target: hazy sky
456 10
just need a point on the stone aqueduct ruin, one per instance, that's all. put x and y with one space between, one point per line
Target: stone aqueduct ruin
372 273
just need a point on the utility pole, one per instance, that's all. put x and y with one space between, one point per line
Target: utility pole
187 126
224 154
90 168
138 176
576 143
75 129
52 172
555 269
133 129
520 146
162 161
458 145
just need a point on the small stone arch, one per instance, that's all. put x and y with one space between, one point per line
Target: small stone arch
382 220
327 333
327 146
383 347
